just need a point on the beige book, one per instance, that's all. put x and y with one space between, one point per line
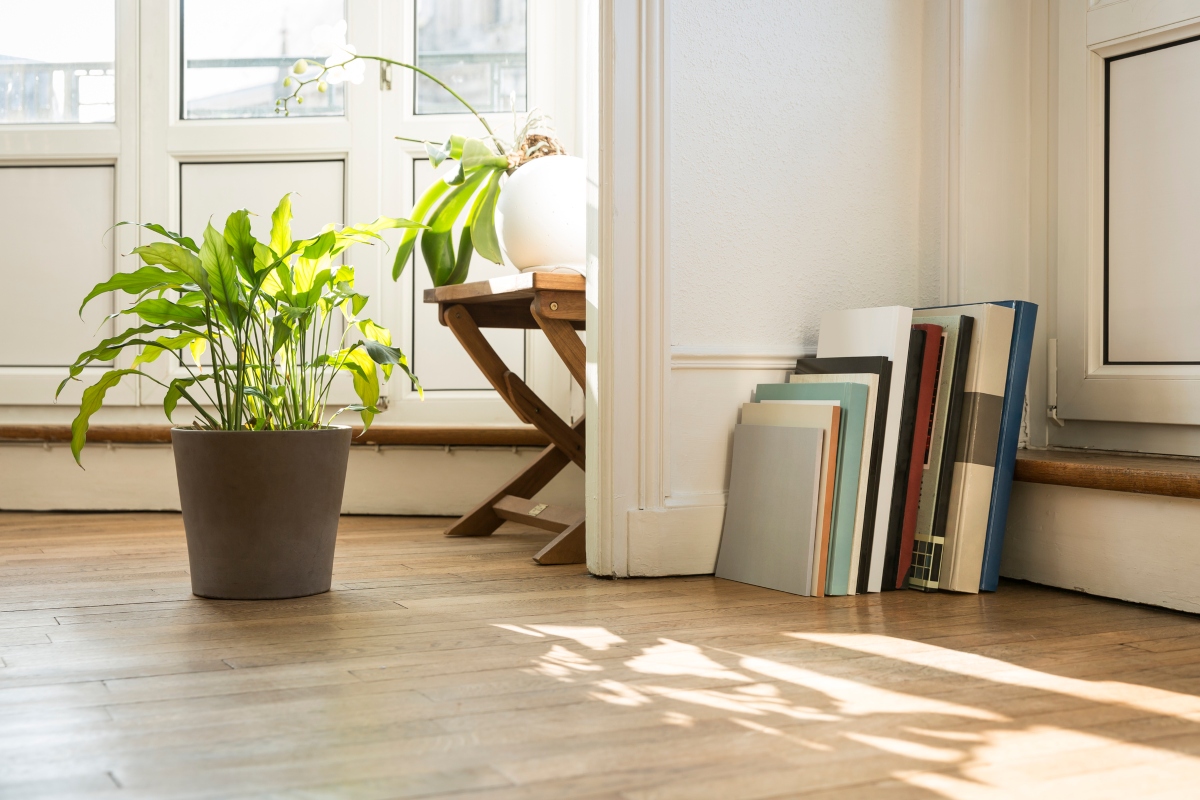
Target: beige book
978 440
809 414
864 474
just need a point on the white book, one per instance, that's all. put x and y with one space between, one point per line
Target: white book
864 473
875 332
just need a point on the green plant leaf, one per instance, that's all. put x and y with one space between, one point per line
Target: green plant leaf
108 349
159 311
163 344
378 333
175 392
313 292
385 355
142 280
483 220
93 399
161 231
453 148
264 257
420 211
177 258
437 246
462 264
281 333
359 364
321 246
222 275
281 225
197 348
476 154
241 243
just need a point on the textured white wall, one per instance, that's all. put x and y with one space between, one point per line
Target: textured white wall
796 146
795 141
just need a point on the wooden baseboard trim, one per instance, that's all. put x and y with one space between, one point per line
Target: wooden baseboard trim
381 435
1166 476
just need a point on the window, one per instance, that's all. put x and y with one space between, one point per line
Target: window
236 55
1124 364
57 61
478 48
1152 312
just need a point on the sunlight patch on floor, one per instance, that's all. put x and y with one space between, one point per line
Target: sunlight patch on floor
981 755
1143 698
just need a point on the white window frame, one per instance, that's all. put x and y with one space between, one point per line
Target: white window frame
1088 388
149 142
552 70
168 142
84 144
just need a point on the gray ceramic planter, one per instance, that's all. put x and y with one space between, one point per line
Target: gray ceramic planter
260 509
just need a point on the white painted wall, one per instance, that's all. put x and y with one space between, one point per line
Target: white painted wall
818 155
795 187
1133 547
795 155
379 480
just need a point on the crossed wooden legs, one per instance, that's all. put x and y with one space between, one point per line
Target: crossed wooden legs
511 501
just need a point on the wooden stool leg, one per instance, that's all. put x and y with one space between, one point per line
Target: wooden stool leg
460 322
483 521
546 420
569 547
566 343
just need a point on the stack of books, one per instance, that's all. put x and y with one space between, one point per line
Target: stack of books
887 460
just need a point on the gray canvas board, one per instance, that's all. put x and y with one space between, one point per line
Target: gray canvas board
771 515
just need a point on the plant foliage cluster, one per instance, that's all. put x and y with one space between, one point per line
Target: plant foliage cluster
467 193
278 321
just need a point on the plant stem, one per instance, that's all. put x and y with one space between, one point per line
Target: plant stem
442 84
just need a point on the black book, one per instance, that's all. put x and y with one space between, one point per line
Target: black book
908 429
927 576
882 367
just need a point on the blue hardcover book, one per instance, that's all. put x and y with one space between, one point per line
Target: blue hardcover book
853 400
1010 436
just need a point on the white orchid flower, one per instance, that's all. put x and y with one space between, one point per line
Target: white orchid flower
340 70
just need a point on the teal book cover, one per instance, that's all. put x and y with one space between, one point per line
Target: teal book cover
853 399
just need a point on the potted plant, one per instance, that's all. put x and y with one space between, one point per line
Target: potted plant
262 468
532 185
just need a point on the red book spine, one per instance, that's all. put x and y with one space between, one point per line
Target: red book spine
924 427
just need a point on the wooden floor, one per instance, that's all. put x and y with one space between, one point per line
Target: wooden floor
457 668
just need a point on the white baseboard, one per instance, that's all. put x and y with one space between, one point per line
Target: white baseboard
674 541
1136 547
390 480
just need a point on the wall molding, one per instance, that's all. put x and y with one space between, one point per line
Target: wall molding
628 328
729 358
674 541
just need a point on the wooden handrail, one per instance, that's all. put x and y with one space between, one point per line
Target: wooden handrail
383 435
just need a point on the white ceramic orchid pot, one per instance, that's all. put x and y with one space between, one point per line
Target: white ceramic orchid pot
541 216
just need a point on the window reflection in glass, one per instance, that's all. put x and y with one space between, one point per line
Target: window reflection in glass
478 48
57 61
236 54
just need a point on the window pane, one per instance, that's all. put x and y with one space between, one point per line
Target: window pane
236 54
478 48
57 61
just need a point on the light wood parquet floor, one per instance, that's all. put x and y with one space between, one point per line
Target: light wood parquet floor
458 668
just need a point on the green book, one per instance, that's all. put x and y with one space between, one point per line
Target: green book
853 400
